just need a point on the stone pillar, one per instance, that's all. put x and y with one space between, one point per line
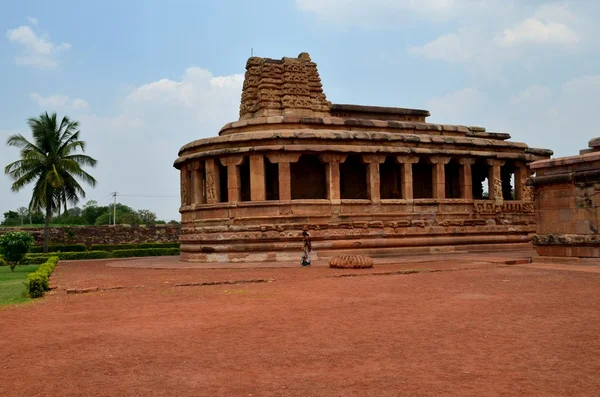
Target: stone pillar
407 176
333 175
233 177
213 183
257 178
439 176
184 185
520 178
196 168
283 161
495 179
466 178
373 178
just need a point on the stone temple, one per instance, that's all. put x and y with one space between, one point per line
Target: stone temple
361 179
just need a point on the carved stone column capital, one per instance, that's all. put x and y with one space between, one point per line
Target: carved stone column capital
277 158
195 165
231 160
439 159
467 161
373 159
407 159
495 162
333 157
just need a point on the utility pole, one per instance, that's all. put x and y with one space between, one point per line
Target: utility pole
114 194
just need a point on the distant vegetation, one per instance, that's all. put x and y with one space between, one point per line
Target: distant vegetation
90 214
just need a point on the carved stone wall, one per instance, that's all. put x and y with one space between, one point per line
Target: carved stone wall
567 206
119 234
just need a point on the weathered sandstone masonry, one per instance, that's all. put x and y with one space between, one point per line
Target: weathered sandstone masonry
567 204
361 178
88 235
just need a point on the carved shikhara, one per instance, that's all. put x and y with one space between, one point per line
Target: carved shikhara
290 86
290 139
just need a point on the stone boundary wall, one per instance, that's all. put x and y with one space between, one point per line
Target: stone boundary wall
88 235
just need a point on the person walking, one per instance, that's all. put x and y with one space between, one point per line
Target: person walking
307 248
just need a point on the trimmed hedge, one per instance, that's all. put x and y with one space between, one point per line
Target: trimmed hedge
37 282
34 259
59 247
145 252
114 247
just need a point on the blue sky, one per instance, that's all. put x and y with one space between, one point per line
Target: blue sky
145 77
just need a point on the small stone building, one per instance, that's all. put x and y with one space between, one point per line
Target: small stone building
378 180
567 204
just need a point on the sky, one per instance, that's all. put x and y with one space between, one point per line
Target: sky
144 77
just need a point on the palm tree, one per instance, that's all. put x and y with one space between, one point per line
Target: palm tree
51 163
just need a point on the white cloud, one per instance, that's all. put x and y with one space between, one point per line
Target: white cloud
58 102
448 47
197 89
534 31
555 12
32 21
459 107
532 94
36 50
79 104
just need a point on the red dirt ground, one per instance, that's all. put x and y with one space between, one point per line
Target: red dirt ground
482 329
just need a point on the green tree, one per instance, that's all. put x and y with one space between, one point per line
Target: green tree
146 217
11 218
22 213
14 246
51 162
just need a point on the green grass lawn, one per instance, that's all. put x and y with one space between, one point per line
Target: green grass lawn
12 289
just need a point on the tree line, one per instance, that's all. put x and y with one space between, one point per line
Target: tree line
90 214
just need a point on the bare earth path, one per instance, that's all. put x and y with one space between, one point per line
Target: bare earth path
482 329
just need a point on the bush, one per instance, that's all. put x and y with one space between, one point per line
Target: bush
159 245
14 246
35 285
38 282
113 247
145 252
60 247
36 259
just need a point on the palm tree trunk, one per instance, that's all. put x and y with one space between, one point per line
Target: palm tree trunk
47 227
